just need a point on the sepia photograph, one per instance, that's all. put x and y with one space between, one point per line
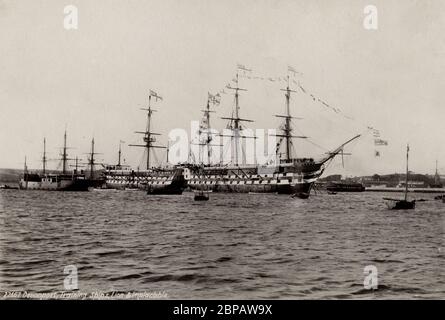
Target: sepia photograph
234 152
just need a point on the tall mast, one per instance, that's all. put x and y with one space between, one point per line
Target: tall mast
92 160
205 126
64 154
287 128
44 156
208 135
148 138
407 172
25 173
235 121
120 153
148 134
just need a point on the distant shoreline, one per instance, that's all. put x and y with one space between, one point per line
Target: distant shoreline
414 190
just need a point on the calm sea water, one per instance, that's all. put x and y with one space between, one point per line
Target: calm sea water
233 246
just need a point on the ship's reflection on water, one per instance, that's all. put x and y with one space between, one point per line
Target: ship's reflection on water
232 246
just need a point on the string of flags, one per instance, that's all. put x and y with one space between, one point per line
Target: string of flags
247 73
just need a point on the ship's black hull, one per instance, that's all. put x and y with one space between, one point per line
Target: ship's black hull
403 205
96 183
176 187
293 178
301 188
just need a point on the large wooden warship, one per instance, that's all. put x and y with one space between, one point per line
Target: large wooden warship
288 175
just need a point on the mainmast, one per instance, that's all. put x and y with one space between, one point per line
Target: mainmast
148 134
287 127
235 121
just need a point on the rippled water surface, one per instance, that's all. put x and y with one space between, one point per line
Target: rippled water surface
233 246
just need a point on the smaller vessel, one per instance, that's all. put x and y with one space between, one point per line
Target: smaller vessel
345 187
201 195
404 204
7 187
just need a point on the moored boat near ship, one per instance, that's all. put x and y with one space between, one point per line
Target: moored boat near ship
402 204
345 187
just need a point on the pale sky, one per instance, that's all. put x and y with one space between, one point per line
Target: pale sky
93 80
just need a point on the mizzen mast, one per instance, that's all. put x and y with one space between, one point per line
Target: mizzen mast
149 138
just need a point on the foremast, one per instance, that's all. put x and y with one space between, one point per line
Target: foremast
149 136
